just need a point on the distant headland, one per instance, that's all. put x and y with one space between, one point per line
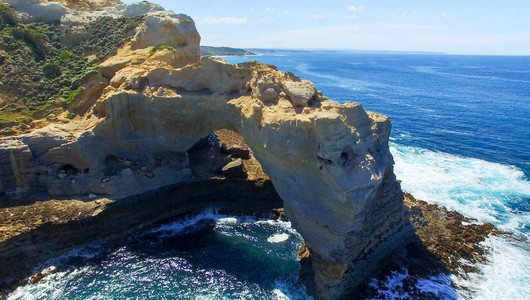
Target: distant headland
224 51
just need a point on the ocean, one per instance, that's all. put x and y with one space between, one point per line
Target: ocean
460 138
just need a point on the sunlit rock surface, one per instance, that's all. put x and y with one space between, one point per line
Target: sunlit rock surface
138 117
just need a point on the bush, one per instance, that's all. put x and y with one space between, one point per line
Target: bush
105 35
66 55
51 70
69 96
34 38
40 70
159 48
8 17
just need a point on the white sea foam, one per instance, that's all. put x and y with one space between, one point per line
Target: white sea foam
179 225
438 285
392 286
283 290
278 238
397 286
507 276
87 252
50 287
488 192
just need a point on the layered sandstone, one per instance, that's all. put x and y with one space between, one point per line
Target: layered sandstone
140 115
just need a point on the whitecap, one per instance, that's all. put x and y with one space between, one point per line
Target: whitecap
227 220
179 225
506 276
486 191
285 290
438 285
278 238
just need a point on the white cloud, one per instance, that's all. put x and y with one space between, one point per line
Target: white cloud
210 20
317 17
371 36
355 8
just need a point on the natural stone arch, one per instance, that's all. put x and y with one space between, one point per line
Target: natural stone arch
330 163
347 207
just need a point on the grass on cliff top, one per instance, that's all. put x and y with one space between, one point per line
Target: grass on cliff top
41 72
84 5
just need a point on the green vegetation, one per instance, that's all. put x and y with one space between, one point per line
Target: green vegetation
69 95
105 35
159 48
220 51
88 5
7 15
185 21
70 115
38 67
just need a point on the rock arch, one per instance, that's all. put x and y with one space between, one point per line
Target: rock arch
329 162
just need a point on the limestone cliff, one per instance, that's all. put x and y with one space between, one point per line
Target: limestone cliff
144 109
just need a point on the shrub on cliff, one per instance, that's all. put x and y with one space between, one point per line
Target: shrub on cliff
155 49
105 35
8 16
34 38
38 67
51 70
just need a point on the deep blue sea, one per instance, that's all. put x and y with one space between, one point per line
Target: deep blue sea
461 138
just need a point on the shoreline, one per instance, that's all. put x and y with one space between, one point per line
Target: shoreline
417 256
49 228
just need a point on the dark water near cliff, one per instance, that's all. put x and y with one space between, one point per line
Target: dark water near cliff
461 138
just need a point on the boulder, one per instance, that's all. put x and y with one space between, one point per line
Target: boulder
235 151
235 169
299 92
269 95
34 11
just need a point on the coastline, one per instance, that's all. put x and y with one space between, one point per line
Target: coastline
47 229
130 174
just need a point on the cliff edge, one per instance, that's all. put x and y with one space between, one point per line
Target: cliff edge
129 127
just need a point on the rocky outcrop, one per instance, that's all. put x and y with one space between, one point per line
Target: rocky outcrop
329 162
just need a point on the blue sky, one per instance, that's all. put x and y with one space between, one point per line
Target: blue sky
456 27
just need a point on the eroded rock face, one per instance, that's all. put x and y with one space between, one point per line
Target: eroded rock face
329 162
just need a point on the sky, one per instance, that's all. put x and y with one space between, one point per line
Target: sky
499 27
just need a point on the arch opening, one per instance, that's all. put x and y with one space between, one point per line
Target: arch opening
224 153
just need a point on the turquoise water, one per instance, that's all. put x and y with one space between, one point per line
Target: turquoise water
210 256
460 138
